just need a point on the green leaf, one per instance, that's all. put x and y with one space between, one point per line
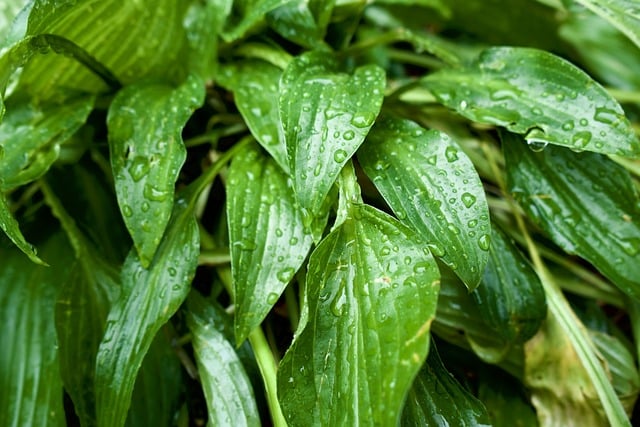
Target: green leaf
31 137
623 14
326 116
159 386
255 88
372 290
145 122
229 393
511 298
432 186
29 374
248 14
149 298
505 400
8 11
297 21
437 398
269 242
585 202
11 228
539 95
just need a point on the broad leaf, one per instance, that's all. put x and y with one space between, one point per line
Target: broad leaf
149 298
29 375
623 14
145 123
10 226
229 394
8 12
372 290
510 298
326 116
268 240
297 21
539 95
506 400
248 13
585 202
255 89
31 137
432 186
437 398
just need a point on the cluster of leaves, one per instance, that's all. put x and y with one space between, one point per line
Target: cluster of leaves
272 211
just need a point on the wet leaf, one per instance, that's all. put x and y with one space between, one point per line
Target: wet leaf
302 21
432 186
623 14
229 393
149 298
326 116
11 228
255 89
248 13
538 95
372 291
29 374
506 400
585 202
437 398
145 122
268 240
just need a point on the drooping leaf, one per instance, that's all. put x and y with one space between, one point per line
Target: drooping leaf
145 122
510 298
10 226
539 95
372 290
248 13
505 400
159 385
297 21
432 186
585 202
326 116
267 237
437 398
623 14
255 88
229 394
149 298
29 374
31 137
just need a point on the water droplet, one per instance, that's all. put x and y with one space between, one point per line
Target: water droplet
144 207
472 223
152 193
407 260
245 221
330 113
463 105
436 249
340 155
279 232
362 120
537 111
385 251
127 211
432 160
453 229
246 245
581 139
272 298
421 267
484 242
537 145
631 246
568 125
607 116
172 271
285 274
349 135
138 168
293 241
317 170
381 165
584 122
468 199
451 153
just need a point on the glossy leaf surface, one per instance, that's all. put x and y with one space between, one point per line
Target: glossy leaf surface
299 22
539 95
326 116
585 202
226 386
248 13
510 298
623 14
149 298
437 398
255 88
145 122
432 186
372 290
505 400
268 239
29 374
12 229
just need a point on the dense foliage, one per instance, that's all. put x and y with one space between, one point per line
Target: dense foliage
319 212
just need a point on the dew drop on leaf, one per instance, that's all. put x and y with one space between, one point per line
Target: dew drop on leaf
568 125
272 298
537 145
436 249
581 139
349 135
152 193
362 120
484 242
607 116
127 211
340 155
172 271
451 153
138 168
468 199
293 241
285 274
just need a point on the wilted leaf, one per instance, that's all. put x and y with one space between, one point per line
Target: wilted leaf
432 186
539 95
326 116
372 290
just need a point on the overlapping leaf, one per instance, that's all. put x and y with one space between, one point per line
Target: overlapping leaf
226 386
255 88
585 202
432 185
437 398
302 21
269 242
29 374
10 226
505 400
539 95
248 13
372 290
623 14
149 298
145 123
326 116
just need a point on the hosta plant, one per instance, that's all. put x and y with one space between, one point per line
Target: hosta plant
319 212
